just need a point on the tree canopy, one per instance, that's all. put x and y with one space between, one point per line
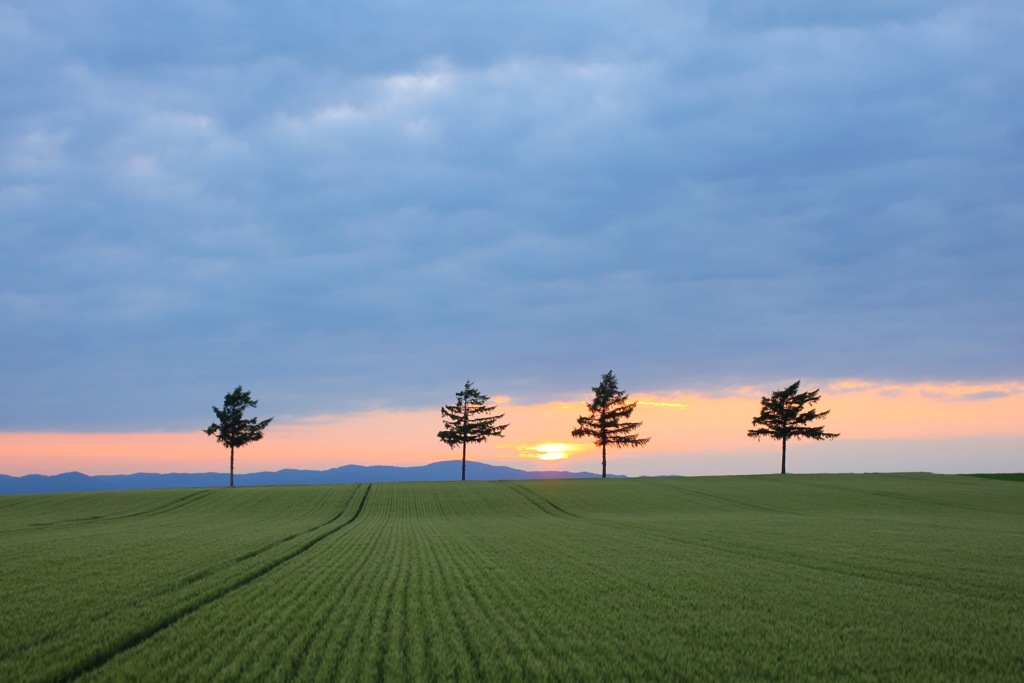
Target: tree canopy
783 417
234 430
608 420
469 420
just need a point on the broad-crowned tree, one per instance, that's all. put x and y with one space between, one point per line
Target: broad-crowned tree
469 420
234 430
783 417
608 421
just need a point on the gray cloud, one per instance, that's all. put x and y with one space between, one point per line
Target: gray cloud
364 206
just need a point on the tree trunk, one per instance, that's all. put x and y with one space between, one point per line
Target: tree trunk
783 455
465 417
604 461
232 467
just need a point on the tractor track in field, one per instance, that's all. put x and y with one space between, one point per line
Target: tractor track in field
905 497
206 573
542 503
249 554
301 653
873 574
733 501
96 519
100 659
740 503
173 505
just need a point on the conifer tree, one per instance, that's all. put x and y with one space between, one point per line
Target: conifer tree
607 422
469 420
783 417
233 430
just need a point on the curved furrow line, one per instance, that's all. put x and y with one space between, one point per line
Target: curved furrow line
540 502
351 614
912 499
678 485
739 502
267 547
896 577
98 519
174 505
303 655
99 659
302 603
357 635
151 601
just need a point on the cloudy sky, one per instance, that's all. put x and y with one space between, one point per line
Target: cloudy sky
351 208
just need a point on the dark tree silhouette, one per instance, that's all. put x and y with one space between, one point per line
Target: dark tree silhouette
607 422
233 430
469 420
783 417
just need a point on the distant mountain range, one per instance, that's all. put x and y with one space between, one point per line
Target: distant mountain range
447 470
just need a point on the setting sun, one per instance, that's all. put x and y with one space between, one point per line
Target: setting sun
552 451
548 451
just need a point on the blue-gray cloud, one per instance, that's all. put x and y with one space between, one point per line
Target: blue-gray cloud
365 205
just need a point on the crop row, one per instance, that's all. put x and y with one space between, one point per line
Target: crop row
741 577
78 591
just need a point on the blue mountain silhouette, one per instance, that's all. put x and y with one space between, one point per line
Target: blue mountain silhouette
446 470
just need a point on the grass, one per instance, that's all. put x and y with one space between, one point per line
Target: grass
1004 477
857 577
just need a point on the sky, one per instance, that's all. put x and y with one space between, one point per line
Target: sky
351 209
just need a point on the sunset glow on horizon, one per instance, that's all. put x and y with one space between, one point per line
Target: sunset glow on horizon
482 200
545 451
684 427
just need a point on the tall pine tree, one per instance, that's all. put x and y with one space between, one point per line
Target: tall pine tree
234 430
469 420
608 422
783 417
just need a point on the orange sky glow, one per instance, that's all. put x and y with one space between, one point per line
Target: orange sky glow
691 433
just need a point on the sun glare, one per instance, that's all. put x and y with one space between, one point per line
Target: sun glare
546 451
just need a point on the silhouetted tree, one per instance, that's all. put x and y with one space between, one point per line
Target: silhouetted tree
607 422
469 420
783 417
233 430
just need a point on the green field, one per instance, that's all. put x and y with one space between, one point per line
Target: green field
857 577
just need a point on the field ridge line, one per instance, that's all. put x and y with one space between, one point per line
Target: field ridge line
100 659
